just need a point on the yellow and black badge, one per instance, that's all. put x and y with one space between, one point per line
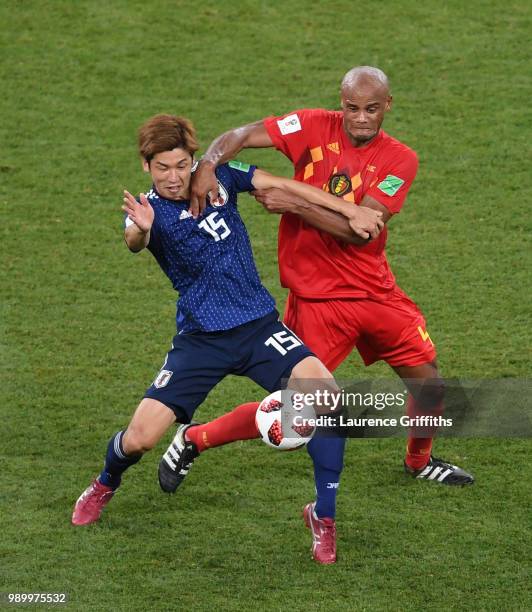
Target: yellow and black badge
339 184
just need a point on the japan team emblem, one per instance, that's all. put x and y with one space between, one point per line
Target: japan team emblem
223 196
162 379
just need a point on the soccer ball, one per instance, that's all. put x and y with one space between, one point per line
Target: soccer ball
281 425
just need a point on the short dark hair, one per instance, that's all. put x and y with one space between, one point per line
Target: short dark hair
164 133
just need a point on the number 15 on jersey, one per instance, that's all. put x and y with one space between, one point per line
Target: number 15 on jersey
217 228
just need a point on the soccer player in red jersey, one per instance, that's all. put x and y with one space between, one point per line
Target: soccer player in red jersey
342 291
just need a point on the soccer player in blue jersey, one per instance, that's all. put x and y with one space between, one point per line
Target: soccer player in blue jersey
226 319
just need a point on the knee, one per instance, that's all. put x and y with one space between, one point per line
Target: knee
138 440
432 393
438 390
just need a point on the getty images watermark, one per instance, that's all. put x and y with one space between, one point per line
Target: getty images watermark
395 407
345 402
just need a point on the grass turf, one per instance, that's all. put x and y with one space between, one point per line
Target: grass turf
84 324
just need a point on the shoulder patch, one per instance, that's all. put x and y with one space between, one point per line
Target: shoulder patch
289 124
390 185
238 165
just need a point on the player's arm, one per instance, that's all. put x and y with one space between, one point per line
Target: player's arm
335 224
365 222
140 215
278 201
371 203
330 222
222 149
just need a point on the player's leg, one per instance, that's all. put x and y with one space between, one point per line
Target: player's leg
149 423
239 424
426 398
330 328
426 395
188 374
406 346
331 331
327 455
326 448
282 360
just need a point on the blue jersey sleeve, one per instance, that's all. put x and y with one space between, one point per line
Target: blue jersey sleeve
239 174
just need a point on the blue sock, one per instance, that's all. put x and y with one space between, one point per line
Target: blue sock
116 462
328 456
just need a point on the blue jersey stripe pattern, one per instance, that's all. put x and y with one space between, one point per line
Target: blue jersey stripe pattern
209 260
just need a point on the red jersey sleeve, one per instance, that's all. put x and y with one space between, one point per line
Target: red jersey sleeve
292 133
395 178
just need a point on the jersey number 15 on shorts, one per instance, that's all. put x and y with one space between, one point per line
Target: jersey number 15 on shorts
283 342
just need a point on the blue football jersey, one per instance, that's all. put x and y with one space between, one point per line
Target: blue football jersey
209 259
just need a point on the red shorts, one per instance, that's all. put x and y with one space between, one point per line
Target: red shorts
392 330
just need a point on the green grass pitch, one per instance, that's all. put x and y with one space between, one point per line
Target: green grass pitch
84 324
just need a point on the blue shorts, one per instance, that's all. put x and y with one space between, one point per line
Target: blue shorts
264 350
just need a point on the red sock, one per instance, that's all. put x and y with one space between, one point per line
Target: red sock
239 424
418 449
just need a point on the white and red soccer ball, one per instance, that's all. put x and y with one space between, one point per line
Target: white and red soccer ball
281 424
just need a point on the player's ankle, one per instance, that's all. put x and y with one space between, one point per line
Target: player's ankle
416 463
186 436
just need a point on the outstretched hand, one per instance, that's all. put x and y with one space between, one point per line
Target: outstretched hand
141 213
203 182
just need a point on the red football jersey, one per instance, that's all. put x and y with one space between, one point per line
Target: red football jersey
312 263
